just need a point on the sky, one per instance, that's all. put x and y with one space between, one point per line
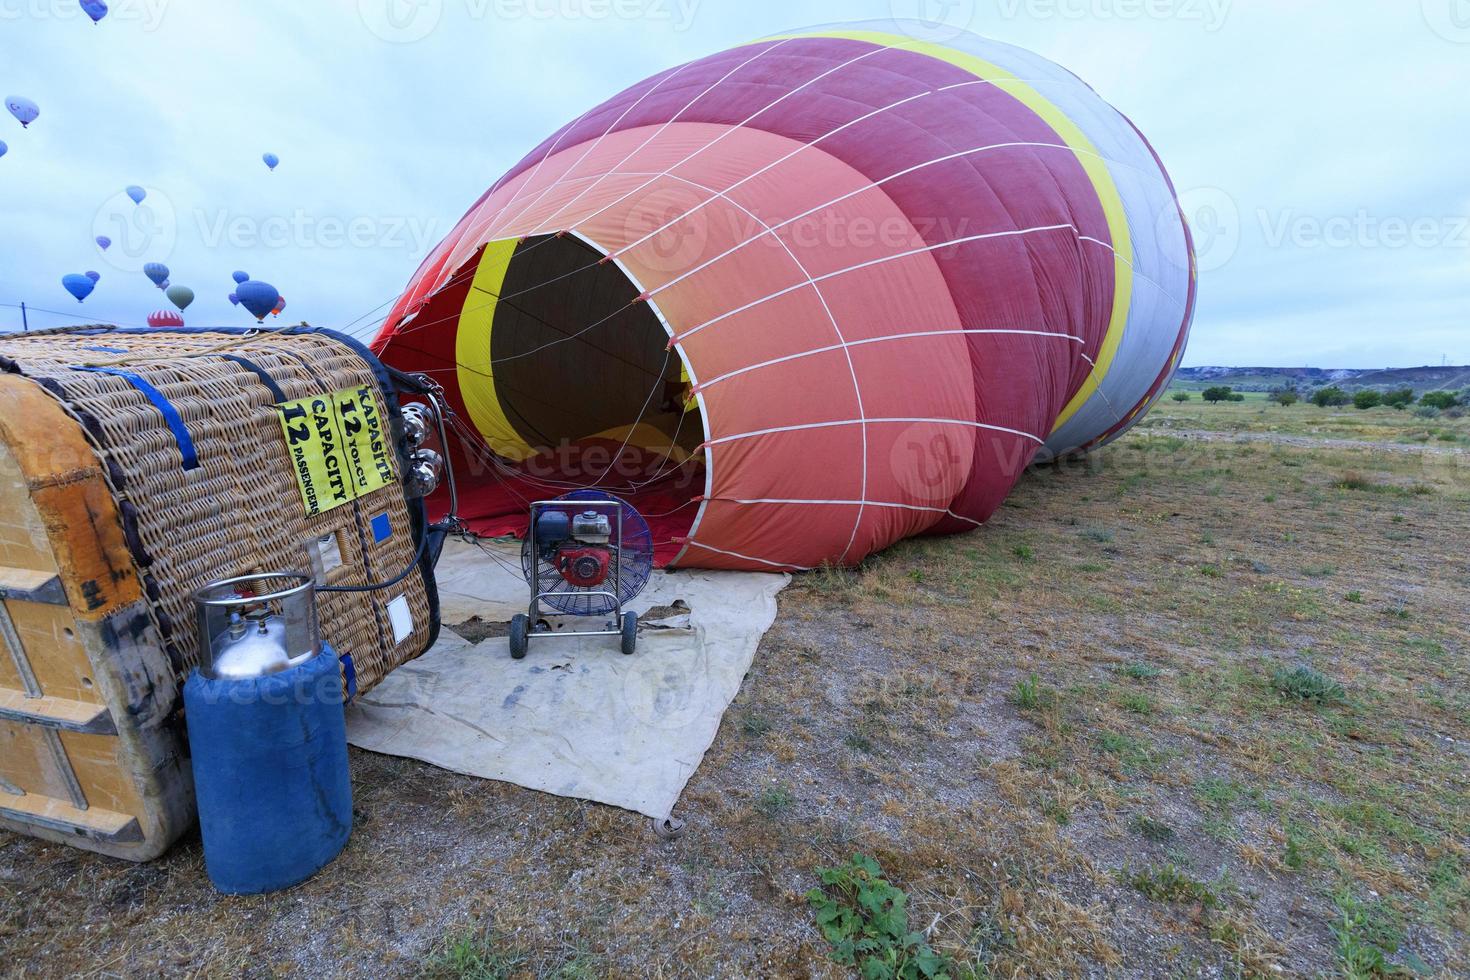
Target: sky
1320 147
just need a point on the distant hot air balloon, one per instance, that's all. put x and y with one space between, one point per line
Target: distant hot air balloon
136 193
3 148
95 9
181 296
280 305
103 242
234 300
258 297
157 273
165 318
94 276
22 108
271 160
240 276
79 286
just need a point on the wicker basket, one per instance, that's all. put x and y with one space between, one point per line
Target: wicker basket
135 468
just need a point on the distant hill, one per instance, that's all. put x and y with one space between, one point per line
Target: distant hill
1421 379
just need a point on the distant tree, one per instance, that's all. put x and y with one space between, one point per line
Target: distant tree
1285 397
1367 398
1400 399
1442 400
1236 396
1219 393
1330 397
1181 396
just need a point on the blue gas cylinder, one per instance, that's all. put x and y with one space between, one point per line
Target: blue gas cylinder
270 773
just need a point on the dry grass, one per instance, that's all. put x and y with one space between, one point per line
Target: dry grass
1159 803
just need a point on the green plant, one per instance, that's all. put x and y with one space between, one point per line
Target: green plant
471 955
1169 883
1367 934
1154 830
1353 596
1400 399
1181 396
1137 702
754 725
774 801
1023 552
1141 671
1028 693
1330 397
865 918
1285 397
1219 393
1366 399
1304 683
1442 400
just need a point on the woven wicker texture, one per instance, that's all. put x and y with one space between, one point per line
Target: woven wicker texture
240 510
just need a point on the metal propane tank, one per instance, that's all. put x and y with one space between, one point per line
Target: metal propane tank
267 734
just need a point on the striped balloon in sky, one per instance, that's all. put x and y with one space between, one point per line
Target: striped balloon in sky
843 285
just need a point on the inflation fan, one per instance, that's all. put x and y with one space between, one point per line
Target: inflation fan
585 554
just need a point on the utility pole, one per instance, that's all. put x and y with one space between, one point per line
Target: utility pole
25 324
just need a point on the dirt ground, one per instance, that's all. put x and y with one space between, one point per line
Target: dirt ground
1196 707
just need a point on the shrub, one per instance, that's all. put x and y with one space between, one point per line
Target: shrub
1181 396
866 920
1219 393
1400 399
1442 400
1305 684
1426 412
1364 400
1285 397
1330 397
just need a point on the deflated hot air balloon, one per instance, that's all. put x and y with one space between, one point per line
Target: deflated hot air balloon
23 109
79 286
180 296
258 297
103 242
136 193
165 318
826 291
157 273
271 160
240 277
94 276
94 9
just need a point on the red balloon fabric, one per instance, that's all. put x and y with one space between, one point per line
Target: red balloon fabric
806 297
165 318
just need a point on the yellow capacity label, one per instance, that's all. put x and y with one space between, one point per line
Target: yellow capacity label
339 447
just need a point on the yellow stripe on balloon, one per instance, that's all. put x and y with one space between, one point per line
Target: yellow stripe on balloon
472 353
1087 155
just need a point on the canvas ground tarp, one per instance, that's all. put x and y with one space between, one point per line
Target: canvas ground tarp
575 718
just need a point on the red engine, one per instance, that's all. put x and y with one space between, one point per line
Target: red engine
585 568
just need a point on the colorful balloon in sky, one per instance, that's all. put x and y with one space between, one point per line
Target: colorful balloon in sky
165 318
22 108
136 193
1030 293
94 276
103 242
258 297
240 276
3 148
79 286
157 273
234 300
271 160
95 9
180 296
280 305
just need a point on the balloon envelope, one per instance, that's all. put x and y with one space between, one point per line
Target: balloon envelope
3 148
157 273
258 297
103 242
280 305
165 318
95 9
79 286
94 276
136 193
271 160
241 276
22 108
234 300
181 296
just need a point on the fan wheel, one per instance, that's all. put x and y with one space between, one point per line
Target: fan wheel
520 636
630 633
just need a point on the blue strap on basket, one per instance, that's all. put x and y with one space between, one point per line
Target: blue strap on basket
170 414
260 373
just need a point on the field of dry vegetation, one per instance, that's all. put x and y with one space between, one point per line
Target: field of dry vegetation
1197 707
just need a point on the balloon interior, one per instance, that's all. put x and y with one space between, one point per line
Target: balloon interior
803 316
